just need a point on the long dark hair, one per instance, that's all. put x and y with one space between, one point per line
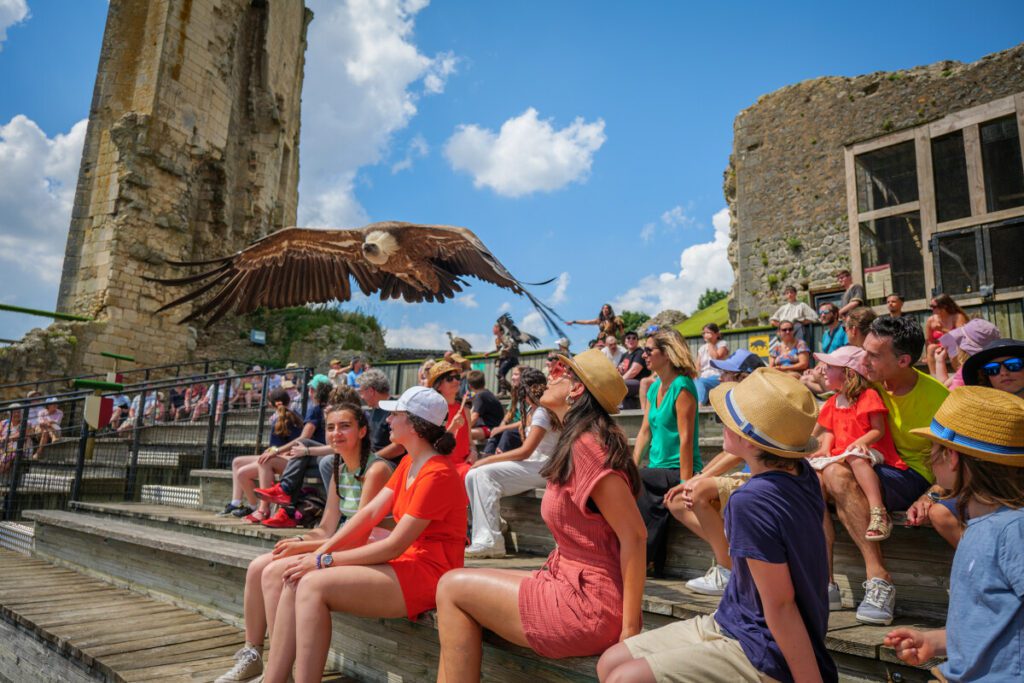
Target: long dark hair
532 384
437 436
364 444
322 393
587 415
287 421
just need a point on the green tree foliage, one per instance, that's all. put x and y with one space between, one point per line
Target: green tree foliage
709 297
633 320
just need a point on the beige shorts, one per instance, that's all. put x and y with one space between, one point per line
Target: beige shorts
728 483
694 651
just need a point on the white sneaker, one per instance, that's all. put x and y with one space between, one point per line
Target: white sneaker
248 666
482 552
712 583
879 603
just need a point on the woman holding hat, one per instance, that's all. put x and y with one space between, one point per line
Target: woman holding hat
772 619
393 577
445 378
978 435
588 595
960 344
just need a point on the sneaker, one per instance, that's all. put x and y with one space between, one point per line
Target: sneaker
248 666
242 511
281 520
835 598
229 509
275 494
712 583
482 552
879 603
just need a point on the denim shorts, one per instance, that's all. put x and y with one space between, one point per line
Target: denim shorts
900 488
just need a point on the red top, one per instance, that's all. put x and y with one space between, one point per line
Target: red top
461 450
438 494
852 422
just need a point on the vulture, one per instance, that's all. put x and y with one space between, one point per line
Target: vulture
509 329
459 345
297 266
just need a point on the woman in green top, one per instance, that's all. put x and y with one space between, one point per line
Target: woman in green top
668 436
358 476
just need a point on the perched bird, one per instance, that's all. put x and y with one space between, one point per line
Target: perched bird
297 266
459 345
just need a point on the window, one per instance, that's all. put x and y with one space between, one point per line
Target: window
1000 155
886 177
894 242
982 260
958 261
949 168
1004 242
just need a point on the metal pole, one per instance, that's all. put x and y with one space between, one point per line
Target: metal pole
263 413
226 403
210 426
83 446
133 465
12 490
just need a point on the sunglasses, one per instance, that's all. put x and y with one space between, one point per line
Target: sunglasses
824 311
1011 365
450 378
648 350
785 329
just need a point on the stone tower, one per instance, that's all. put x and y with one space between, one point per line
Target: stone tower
191 153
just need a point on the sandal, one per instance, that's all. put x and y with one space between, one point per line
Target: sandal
880 527
256 517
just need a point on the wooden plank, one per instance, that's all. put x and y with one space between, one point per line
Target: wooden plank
972 116
851 215
169 625
926 196
191 651
176 635
887 211
975 173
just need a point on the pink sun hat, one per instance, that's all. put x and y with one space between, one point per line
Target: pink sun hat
972 337
845 357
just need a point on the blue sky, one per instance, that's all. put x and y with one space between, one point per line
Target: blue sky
584 140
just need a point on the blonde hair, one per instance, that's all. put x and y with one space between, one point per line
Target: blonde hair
672 344
854 385
989 483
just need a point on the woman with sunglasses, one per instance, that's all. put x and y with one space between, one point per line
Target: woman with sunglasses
445 378
790 355
946 316
588 595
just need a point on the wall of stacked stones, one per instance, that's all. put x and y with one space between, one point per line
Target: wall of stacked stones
786 182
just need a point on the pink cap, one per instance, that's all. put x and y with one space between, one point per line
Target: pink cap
844 357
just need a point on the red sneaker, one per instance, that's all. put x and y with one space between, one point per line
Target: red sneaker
281 520
275 494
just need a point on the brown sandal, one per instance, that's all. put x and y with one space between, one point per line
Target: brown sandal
880 527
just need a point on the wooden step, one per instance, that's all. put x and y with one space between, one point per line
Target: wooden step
208 574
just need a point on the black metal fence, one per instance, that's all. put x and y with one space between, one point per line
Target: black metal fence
160 431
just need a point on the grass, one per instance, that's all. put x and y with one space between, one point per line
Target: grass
717 313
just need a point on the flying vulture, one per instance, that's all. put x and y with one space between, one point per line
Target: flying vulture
297 266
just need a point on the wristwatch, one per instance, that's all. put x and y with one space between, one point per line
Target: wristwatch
934 496
324 561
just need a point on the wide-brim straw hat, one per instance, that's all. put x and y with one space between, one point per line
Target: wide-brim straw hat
981 422
771 409
441 368
599 376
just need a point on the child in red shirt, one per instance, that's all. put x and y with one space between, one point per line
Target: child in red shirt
853 431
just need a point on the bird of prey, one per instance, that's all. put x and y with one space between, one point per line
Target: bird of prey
297 266
459 345
511 331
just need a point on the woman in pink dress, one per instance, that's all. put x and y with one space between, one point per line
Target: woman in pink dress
587 596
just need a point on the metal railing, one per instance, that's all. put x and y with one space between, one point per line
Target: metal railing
155 437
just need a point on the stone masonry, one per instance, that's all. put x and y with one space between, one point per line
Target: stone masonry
191 153
786 183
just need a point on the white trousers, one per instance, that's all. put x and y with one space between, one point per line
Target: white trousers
487 484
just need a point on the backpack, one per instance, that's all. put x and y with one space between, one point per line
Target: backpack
309 508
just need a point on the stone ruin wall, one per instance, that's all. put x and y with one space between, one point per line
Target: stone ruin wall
786 176
191 153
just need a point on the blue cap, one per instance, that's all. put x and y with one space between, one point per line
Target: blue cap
741 360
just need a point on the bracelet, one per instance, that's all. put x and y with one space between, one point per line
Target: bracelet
299 538
318 561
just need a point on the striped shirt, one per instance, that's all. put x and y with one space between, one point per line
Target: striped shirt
350 489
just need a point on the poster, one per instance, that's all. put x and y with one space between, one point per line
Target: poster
758 345
878 281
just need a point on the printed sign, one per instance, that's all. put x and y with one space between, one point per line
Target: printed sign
758 345
878 281
258 337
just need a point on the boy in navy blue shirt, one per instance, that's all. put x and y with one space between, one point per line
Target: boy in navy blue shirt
772 619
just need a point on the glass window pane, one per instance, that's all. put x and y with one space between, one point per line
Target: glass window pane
1007 264
886 177
949 166
894 241
957 262
1000 156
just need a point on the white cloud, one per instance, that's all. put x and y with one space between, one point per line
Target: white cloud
417 149
467 300
431 336
37 190
505 307
561 285
362 71
647 232
11 12
527 155
700 266
676 216
533 323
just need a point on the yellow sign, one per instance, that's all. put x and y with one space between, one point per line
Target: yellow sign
758 345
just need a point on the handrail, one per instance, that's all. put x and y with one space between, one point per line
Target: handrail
46 314
179 365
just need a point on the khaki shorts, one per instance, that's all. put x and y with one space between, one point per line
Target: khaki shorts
728 484
694 651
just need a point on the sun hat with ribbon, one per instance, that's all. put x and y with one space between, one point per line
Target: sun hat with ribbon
844 357
599 376
771 409
981 422
440 369
422 402
971 338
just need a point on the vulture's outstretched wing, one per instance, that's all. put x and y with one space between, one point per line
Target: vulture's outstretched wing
290 267
457 252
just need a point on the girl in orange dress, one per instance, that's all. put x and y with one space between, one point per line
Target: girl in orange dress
588 595
393 577
445 378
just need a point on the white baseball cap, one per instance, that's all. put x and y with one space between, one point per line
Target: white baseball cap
421 402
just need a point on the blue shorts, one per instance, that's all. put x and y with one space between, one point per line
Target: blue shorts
900 488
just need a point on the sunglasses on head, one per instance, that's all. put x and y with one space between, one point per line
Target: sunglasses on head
1011 365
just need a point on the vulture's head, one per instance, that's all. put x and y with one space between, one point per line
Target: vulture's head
379 246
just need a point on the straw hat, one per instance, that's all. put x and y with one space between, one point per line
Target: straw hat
981 422
457 358
599 376
771 409
439 369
